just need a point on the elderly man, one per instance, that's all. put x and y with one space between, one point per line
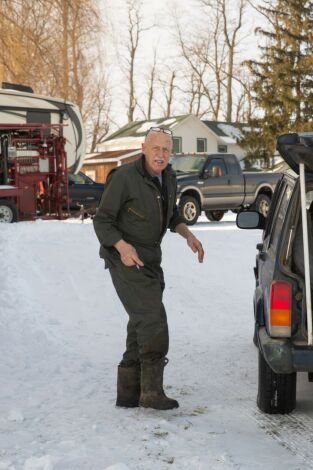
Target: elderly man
137 207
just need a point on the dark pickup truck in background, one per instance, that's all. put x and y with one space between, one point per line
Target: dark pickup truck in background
215 183
83 191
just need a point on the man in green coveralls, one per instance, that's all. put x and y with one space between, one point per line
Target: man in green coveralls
137 207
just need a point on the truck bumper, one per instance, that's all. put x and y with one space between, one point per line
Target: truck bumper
282 356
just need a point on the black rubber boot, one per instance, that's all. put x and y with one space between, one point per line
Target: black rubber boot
128 386
152 394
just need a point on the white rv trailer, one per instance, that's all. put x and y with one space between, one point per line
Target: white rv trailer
22 107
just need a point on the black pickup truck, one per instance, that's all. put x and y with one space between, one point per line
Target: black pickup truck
215 183
83 191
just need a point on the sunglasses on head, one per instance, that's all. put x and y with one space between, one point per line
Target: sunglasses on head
160 129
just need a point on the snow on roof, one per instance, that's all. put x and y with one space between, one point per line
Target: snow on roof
227 140
137 128
129 139
231 131
146 126
168 122
247 129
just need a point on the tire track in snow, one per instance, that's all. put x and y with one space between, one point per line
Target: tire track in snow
294 432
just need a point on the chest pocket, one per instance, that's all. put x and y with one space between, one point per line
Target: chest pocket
137 213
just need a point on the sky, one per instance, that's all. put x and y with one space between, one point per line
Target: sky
162 36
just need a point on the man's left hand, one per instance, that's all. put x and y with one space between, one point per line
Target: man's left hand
196 246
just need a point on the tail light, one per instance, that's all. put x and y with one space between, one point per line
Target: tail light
280 309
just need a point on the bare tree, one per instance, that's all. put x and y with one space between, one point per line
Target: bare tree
195 92
99 99
152 80
231 26
52 45
204 54
231 30
168 85
135 29
209 51
64 7
23 39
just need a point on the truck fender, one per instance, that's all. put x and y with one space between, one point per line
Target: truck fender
264 189
189 190
259 307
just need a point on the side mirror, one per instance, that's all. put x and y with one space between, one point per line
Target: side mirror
250 220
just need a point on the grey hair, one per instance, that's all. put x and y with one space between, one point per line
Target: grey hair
151 131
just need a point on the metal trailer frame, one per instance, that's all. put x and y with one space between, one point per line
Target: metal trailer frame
33 170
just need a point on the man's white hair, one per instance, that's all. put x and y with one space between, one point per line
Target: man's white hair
152 131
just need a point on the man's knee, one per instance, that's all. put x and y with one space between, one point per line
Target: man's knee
156 346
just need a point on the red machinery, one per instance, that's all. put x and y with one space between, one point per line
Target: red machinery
33 172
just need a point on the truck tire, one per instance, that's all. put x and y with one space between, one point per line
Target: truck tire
276 392
262 204
8 211
215 216
189 209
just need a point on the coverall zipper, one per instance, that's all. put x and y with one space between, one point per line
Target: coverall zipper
161 212
159 204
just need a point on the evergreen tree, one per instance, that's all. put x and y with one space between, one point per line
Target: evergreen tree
283 78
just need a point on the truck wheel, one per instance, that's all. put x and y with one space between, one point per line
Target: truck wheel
8 211
189 209
262 204
215 216
277 392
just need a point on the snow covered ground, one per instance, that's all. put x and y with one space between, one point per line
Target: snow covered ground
62 332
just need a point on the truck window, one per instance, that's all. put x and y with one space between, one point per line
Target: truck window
80 178
233 165
187 163
279 215
217 163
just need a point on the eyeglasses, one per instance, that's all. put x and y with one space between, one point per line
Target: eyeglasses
160 129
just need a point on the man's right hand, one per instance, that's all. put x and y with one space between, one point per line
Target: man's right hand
129 255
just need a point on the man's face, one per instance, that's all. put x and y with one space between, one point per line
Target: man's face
157 149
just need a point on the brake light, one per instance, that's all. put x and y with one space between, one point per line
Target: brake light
280 308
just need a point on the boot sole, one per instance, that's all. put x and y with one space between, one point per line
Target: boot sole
144 405
126 405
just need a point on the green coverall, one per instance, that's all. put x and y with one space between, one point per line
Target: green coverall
131 209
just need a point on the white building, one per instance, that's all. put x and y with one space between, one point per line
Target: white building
190 135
